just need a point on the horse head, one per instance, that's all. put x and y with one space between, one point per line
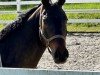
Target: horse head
53 22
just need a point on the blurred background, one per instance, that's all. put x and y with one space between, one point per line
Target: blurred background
84 16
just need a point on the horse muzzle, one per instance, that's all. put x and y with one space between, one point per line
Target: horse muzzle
60 57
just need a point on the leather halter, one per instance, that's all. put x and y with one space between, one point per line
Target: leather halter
48 40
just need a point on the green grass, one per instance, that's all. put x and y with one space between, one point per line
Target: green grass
26 7
1 26
8 16
70 16
82 6
83 15
66 6
83 27
77 27
87 27
8 8
13 7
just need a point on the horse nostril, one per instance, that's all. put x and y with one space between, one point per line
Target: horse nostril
61 57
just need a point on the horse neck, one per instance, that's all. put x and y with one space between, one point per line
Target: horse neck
30 12
33 21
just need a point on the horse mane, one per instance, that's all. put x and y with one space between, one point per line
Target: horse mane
17 23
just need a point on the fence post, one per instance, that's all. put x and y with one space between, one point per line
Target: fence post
18 6
0 61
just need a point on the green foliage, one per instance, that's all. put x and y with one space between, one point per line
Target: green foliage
82 6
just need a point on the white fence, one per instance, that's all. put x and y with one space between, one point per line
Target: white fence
18 3
82 1
7 71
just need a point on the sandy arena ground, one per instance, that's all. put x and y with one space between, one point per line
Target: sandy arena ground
84 50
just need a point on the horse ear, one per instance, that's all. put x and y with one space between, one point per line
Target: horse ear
61 2
45 3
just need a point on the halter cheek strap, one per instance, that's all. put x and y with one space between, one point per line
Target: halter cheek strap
48 40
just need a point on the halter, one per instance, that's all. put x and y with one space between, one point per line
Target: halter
48 40
51 38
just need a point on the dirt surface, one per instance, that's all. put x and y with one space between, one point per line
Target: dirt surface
84 53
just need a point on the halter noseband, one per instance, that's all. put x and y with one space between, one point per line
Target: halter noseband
48 40
51 38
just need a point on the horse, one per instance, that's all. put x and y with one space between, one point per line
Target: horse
23 42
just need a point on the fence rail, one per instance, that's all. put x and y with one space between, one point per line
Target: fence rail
18 3
69 21
8 12
10 71
67 11
83 11
84 21
38 2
